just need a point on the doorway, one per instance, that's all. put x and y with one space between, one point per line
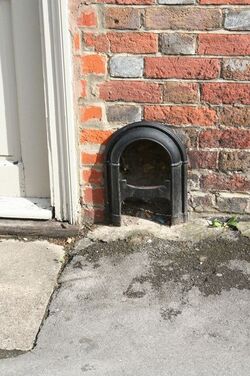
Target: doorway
24 168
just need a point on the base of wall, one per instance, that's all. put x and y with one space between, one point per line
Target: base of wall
24 228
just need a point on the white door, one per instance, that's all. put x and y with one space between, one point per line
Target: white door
24 171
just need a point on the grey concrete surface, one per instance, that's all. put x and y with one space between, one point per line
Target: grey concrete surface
147 307
194 230
28 276
244 228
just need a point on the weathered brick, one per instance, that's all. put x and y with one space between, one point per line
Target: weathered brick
193 180
92 176
172 2
122 18
87 18
98 42
123 113
237 19
232 203
133 42
180 92
126 66
129 2
83 88
182 67
201 202
177 43
91 159
76 43
236 69
189 136
228 93
234 161
222 2
182 18
88 113
223 44
131 91
95 64
229 138
93 215
222 182
94 136
235 116
94 196
181 115
203 159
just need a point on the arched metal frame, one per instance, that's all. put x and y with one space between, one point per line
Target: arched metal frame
117 188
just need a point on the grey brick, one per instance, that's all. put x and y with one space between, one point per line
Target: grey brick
123 113
237 19
232 203
177 43
169 2
126 66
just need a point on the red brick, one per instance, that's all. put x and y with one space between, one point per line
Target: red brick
228 93
99 42
92 176
122 18
133 42
94 196
182 67
131 91
234 138
235 116
76 42
224 44
83 88
87 18
186 115
90 113
94 136
221 182
93 215
93 64
221 2
182 18
202 159
180 92
90 159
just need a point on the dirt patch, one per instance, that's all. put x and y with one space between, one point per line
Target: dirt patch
4 354
204 264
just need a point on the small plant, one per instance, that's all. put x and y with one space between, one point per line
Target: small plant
232 223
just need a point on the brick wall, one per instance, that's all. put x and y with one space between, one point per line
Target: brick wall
182 62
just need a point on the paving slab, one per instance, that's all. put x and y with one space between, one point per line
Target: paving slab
28 276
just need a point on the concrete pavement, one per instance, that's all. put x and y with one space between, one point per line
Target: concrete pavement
144 306
28 276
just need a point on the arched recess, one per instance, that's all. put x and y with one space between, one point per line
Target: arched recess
175 186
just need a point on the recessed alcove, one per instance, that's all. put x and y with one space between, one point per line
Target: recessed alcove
146 173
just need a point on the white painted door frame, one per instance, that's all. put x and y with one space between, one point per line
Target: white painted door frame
58 79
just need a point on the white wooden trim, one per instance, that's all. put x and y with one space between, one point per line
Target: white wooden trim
57 67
